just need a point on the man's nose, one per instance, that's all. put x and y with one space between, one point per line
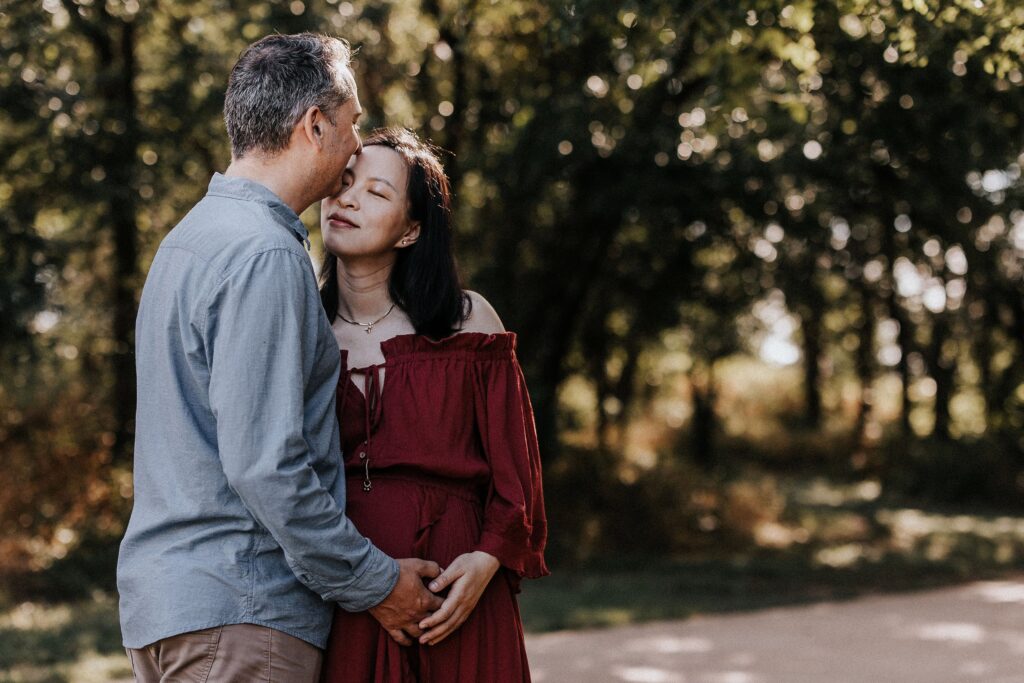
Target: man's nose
359 145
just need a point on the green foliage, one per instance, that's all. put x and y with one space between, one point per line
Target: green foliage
974 472
78 641
639 186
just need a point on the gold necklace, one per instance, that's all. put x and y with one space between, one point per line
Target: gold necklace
368 326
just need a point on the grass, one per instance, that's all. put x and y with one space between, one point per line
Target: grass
77 642
839 541
596 598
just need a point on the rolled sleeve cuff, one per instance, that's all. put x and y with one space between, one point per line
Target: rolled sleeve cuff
374 581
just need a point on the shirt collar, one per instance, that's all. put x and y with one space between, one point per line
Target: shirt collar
250 190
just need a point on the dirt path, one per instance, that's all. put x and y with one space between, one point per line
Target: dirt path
969 633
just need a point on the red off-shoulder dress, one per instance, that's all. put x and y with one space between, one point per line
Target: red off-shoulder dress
441 459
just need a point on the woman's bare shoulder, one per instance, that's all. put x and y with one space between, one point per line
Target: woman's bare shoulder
482 316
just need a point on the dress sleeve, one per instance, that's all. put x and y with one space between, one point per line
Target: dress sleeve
514 525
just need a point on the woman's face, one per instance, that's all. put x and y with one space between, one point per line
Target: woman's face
370 216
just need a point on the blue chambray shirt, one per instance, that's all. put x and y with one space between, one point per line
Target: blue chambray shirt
239 486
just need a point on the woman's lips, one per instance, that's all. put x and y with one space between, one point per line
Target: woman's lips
341 221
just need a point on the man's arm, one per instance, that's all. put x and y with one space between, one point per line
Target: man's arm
260 331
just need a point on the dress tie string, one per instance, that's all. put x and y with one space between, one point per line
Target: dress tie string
373 409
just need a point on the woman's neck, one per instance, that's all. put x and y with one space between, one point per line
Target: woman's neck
363 293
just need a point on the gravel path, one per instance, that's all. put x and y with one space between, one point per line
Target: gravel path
964 634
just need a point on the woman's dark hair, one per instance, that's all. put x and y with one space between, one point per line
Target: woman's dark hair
424 281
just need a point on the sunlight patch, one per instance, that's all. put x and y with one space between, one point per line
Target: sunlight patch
736 677
952 632
30 616
648 674
669 645
1001 591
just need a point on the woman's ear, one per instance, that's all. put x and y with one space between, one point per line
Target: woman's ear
411 235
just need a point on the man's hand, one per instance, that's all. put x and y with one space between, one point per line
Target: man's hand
468 576
409 601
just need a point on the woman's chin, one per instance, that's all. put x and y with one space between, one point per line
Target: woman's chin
348 254
335 243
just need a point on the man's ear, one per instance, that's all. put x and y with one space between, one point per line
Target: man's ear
312 126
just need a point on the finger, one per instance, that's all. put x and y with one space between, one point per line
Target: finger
446 578
451 604
432 602
428 569
436 635
443 613
426 603
399 637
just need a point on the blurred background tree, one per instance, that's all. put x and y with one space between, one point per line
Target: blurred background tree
773 236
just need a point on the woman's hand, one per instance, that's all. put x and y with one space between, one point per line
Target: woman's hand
468 576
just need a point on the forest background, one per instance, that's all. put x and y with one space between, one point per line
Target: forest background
764 259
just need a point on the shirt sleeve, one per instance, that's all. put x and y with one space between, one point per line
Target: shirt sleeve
514 526
261 332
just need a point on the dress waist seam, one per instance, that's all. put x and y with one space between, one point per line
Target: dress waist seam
465 490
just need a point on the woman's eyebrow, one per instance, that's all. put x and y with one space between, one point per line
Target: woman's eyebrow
385 181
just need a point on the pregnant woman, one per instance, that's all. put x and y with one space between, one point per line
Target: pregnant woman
438 435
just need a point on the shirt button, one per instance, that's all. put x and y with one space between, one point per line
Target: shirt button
362 455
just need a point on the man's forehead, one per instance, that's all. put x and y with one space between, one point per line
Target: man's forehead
345 75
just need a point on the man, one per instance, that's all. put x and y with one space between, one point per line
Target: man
238 544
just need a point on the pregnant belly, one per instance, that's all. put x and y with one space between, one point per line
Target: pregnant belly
409 518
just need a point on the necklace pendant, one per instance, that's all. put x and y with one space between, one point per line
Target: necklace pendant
368 326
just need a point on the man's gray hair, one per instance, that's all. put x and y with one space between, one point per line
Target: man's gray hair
275 81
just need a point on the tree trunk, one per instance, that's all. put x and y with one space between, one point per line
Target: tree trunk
702 391
1005 386
549 331
941 368
982 350
904 341
122 207
864 362
595 343
811 323
624 388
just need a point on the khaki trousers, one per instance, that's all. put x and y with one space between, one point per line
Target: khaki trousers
239 652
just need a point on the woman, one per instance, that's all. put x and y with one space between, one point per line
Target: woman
437 430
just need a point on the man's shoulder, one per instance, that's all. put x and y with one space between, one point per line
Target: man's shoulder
224 233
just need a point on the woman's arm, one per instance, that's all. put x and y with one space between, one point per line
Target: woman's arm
514 525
